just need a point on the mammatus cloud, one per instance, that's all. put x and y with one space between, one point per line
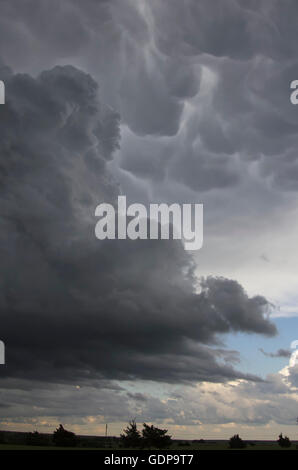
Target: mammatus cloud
209 84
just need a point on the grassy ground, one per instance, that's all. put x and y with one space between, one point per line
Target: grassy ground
217 445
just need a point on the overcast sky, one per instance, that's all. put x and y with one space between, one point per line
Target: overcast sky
161 101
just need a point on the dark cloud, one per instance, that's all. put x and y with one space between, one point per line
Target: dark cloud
114 32
279 353
150 57
235 29
74 307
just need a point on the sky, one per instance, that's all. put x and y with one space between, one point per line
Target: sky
162 101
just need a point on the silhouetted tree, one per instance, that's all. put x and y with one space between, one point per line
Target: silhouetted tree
284 441
64 438
131 437
236 442
155 437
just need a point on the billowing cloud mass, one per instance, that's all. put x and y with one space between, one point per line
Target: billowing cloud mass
164 101
110 309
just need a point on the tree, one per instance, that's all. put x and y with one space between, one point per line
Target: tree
236 442
131 437
155 437
284 441
64 438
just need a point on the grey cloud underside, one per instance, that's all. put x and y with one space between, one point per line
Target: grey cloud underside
150 57
262 402
74 308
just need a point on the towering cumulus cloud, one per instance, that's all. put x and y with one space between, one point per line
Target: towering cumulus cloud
72 305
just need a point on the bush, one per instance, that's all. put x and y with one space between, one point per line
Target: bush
155 437
284 441
64 438
236 442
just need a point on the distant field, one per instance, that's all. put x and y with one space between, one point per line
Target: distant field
214 445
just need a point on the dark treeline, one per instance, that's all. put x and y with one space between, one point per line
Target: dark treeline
131 437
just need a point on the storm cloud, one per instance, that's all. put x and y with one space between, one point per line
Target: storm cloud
163 101
212 80
108 309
